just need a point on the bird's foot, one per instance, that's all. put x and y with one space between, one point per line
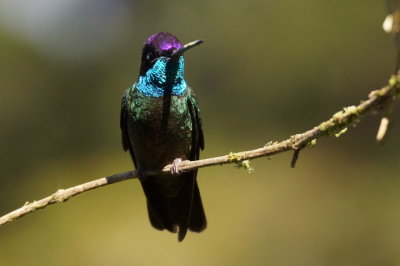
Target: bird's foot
175 166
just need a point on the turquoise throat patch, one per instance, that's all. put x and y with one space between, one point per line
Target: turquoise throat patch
161 76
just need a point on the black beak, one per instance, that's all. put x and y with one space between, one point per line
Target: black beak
184 48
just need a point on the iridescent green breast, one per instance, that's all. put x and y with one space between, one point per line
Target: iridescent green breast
159 128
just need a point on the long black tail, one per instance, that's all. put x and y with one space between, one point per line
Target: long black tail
185 211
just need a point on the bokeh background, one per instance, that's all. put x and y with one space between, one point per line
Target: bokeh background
267 70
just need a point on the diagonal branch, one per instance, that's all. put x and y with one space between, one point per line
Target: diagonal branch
336 125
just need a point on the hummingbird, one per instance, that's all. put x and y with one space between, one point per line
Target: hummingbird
161 125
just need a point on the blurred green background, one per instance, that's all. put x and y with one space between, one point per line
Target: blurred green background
267 70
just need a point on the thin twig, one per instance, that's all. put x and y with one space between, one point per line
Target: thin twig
390 25
383 127
295 158
336 125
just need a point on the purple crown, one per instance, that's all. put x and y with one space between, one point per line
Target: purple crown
164 41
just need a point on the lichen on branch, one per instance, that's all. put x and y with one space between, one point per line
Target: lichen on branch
335 126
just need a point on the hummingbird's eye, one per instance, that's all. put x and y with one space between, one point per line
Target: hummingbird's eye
149 56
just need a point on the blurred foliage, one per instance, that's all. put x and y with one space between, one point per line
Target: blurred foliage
267 70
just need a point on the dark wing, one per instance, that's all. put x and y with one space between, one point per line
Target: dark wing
196 220
197 130
126 144
152 194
